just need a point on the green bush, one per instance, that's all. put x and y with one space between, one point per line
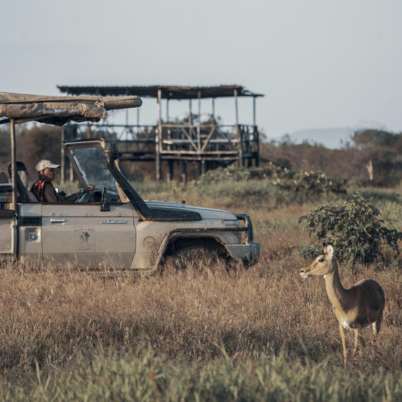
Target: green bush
271 186
313 183
302 186
354 228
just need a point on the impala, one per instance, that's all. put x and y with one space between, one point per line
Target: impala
357 307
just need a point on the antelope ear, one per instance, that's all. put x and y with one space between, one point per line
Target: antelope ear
329 252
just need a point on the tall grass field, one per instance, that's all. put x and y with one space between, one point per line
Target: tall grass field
260 334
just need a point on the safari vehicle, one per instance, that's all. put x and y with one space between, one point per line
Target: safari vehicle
107 223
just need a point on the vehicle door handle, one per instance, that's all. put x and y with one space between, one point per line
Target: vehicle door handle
57 220
115 222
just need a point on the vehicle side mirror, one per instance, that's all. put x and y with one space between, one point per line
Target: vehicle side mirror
105 204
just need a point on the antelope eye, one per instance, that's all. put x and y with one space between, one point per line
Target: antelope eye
321 259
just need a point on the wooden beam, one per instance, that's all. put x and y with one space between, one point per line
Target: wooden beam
199 122
203 166
190 111
183 165
127 117
210 134
254 111
238 131
158 137
236 107
257 136
70 172
170 174
13 145
62 158
14 226
167 110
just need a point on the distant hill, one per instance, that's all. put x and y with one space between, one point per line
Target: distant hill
330 137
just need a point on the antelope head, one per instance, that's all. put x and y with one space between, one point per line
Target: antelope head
321 266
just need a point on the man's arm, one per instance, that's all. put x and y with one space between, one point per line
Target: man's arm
50 194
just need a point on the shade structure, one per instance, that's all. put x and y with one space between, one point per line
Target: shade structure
178 92
59 110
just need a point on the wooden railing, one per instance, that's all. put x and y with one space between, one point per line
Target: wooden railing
174 138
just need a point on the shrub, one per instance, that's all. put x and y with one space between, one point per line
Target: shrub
270 170
313 183
307 183
355 229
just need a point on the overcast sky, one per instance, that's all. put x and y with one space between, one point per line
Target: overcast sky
321 63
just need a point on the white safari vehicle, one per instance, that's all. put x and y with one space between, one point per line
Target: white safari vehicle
107 224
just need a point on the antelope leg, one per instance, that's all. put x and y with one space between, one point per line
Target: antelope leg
342 333
356 341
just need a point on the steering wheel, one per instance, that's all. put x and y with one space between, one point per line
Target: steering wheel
91 195
85 195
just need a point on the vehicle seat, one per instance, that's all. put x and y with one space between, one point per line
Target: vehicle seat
23 195
3 178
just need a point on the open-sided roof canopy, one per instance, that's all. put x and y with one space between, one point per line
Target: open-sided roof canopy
60 109
177 92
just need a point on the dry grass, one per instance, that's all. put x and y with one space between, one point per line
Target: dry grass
47 317
209 325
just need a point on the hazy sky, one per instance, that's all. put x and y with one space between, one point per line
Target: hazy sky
321 63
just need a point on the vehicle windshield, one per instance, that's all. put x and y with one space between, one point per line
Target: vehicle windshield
92 165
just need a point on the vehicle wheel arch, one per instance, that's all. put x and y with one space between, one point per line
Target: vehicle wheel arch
179 241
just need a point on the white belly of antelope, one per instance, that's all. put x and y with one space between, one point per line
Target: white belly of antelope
345 324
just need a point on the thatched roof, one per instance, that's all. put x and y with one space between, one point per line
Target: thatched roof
60 109
177 92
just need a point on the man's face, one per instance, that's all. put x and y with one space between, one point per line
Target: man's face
48 173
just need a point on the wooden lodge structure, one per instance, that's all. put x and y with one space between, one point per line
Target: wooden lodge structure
171 142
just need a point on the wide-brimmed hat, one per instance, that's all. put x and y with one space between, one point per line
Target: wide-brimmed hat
44 164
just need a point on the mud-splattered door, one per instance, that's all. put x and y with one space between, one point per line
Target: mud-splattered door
83 235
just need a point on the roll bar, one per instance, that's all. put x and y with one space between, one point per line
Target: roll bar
20 108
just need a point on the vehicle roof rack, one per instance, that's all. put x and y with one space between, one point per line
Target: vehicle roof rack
59 110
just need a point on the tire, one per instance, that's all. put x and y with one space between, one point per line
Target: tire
196 258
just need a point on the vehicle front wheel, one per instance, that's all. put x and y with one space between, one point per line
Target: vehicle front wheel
196 258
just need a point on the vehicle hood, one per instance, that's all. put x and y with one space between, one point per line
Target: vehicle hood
205 213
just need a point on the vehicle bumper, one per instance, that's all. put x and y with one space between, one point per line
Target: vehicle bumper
249 253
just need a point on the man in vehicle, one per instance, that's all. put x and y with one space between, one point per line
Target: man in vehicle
43 187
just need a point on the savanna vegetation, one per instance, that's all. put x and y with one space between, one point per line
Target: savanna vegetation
245 335
371 157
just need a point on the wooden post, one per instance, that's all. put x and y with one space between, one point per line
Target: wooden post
126 117
167 110
62 158
158 137
190 122
71 172
214 119
190 111
236 107
14 226
199 122
170 175
257 157
370 170
183 165
254 111
13 166
238 131
203 166
256 132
